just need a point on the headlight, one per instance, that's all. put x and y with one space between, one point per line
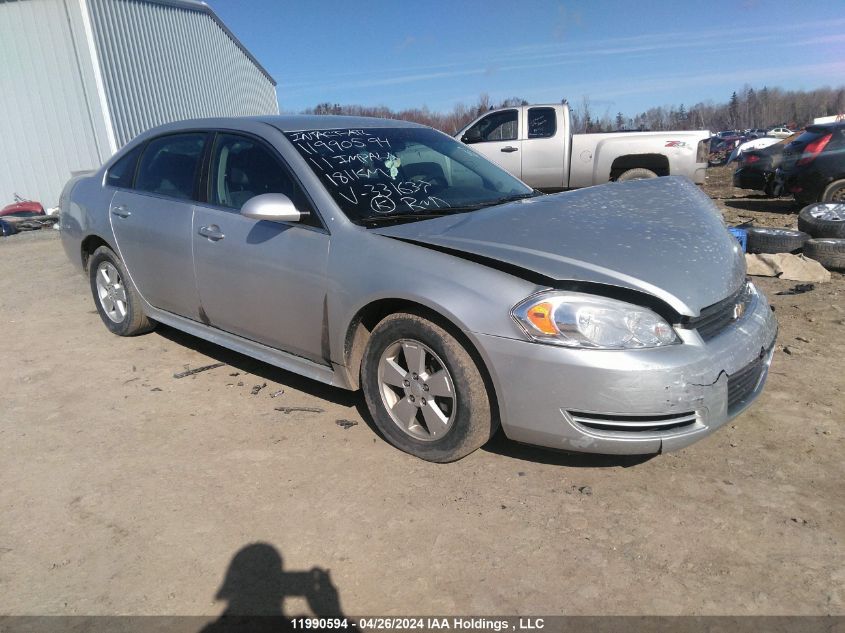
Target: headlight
574 319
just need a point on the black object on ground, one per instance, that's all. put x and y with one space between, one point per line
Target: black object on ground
798 289
346 424
257 388
287 410
191 372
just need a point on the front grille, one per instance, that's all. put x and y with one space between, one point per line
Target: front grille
715 318
633 423
743 382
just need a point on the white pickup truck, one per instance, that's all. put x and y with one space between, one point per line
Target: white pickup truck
536 144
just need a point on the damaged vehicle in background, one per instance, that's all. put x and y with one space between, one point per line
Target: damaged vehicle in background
757 167
386 256
813 165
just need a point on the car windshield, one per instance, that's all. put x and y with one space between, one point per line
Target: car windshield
393 174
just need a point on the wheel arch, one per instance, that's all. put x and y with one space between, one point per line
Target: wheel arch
368 316
90 244
658 163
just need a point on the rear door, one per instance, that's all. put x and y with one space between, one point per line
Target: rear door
496 137
152 222
261 280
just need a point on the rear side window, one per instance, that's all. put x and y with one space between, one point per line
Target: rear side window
541 122
170 164
122 173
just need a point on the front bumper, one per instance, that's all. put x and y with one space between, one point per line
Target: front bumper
632 401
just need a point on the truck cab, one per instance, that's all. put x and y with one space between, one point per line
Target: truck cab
535 143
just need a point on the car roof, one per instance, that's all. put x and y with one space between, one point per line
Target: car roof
286 123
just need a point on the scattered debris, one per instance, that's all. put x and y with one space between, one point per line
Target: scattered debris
155 389
792 351
287 410
126 382
257 388
798 289
191 372
235 373
520 474
802 339
278 393
786 266
799 521
346 424
585 490
240 383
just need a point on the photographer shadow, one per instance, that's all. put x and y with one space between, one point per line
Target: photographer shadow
255 588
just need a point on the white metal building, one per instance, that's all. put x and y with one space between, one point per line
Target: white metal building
80 78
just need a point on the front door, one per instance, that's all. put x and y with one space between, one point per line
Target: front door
261 280
495 137
152 222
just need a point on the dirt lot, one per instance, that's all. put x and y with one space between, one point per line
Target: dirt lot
126 491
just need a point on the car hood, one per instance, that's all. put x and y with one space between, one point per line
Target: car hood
661 236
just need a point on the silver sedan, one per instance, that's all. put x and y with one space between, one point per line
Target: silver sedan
385 256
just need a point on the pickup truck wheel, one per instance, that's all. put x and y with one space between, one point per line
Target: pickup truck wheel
424 391
638 173
115 296
765 240
830 253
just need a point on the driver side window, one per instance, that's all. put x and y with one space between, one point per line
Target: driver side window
499 126
242 168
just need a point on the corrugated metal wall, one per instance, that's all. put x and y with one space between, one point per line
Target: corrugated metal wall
164 62
47 126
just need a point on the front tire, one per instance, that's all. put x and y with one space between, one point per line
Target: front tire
424 391
117 300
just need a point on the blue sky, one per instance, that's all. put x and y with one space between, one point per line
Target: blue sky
625 56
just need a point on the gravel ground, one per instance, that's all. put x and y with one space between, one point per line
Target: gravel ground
124 490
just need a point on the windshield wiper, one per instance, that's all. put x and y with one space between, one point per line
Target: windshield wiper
497 201
380 219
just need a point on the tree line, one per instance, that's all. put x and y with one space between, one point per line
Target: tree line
766 107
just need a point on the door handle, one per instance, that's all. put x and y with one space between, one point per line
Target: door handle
212 232
510 148
121 211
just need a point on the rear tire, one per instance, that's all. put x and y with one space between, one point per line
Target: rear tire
834 192
768 240
829 252
638 173
118 301
424 390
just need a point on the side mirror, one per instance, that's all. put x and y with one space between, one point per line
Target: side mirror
273 207
472 135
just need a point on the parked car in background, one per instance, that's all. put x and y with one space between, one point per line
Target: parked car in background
757 167
780 132
22 208
386 256
535 143
754 143
813 165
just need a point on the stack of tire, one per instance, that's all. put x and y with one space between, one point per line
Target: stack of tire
820 235
825 222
